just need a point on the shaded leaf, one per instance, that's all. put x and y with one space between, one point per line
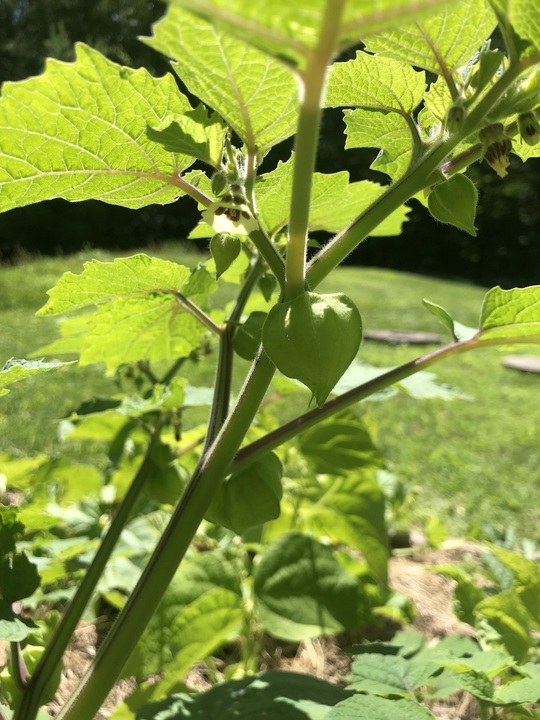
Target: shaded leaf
286 695
302 591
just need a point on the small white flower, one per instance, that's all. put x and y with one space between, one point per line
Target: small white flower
230 217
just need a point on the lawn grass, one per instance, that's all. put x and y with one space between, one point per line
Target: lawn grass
474 464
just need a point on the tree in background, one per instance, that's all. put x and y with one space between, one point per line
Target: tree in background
31 30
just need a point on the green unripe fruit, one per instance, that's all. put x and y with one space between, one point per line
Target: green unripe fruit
225 249
454 201
529 128
313 338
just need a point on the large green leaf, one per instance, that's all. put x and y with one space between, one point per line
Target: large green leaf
79 131
378 708
377 83
290 31
283 695
254 93
511 314
335 202
439 43
348 510
17 369
387 674
302 591
140 313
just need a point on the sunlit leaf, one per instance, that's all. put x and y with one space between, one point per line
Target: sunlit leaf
335 201
290 32
376 83
79 131
441 42
254 93
511 313
18 369
141 312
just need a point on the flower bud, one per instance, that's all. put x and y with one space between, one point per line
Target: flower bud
497 148
529 128
455 118
219 182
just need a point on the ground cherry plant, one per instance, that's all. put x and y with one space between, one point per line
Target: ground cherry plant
435 85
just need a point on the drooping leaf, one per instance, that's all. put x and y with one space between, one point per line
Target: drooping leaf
249 497
79 131
290 32
335 201
17 369
302 591
289 696
441 42
454 201
140 312
313 338
511 313
254 93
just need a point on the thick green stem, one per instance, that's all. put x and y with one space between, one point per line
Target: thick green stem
156 577
63 633
307 137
